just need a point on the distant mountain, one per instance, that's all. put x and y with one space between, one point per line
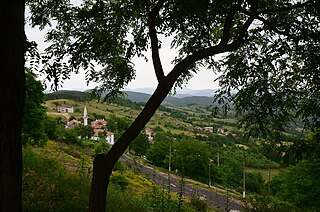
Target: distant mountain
136 96
200 100
171 100
133 96
185 92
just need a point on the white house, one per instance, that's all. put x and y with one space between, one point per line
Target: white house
65 109
99 126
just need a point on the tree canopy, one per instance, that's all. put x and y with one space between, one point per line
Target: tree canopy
274 45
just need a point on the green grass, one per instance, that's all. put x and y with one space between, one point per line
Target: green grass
48 186
51 184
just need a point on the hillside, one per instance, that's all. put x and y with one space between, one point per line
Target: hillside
78 96
170 100
134 97
185 128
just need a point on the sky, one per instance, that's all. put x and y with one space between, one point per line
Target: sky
145 77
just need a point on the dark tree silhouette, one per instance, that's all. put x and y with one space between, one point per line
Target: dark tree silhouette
12 94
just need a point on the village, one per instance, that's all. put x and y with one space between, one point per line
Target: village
101 132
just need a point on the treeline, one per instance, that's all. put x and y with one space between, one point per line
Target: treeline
73 95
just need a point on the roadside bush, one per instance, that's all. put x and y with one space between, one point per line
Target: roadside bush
101 147
119 181
198 204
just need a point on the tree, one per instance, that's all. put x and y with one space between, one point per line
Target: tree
299 185
53 129
85 131
192 159
255 183
71 136
271 48
33 126
12 93
140 144
159 151
72 118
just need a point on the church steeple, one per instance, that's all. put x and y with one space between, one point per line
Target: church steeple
85 116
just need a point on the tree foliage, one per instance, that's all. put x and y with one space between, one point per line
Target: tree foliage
275 73
33 128
159 151
299 185
191 158
85 132
140 145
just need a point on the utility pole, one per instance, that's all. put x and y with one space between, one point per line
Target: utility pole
169 167
218 159
244 175
269 176
209 174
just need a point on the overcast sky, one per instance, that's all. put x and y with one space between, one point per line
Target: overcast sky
145 76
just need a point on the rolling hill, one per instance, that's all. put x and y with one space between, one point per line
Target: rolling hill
134 97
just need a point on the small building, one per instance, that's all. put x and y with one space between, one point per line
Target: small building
204 129
100 130
98 123
65 109
220 130
208 129
72 123
150 132
110 137
225 132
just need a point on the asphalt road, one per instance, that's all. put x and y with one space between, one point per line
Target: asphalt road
216 200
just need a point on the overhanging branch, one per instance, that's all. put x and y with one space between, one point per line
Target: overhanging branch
222 47
154 40
283 9
199 55
228 24
272 27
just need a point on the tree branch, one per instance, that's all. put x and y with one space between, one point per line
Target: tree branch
228 24
283 9
267 23
154 41
199 55
220 48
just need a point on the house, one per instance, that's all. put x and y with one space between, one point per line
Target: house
223 132
99 124
150 132
220 130
204 129
65 109
72 123
99 127
110 137
208 129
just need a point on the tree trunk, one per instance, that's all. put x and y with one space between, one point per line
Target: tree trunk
12 94
103 164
